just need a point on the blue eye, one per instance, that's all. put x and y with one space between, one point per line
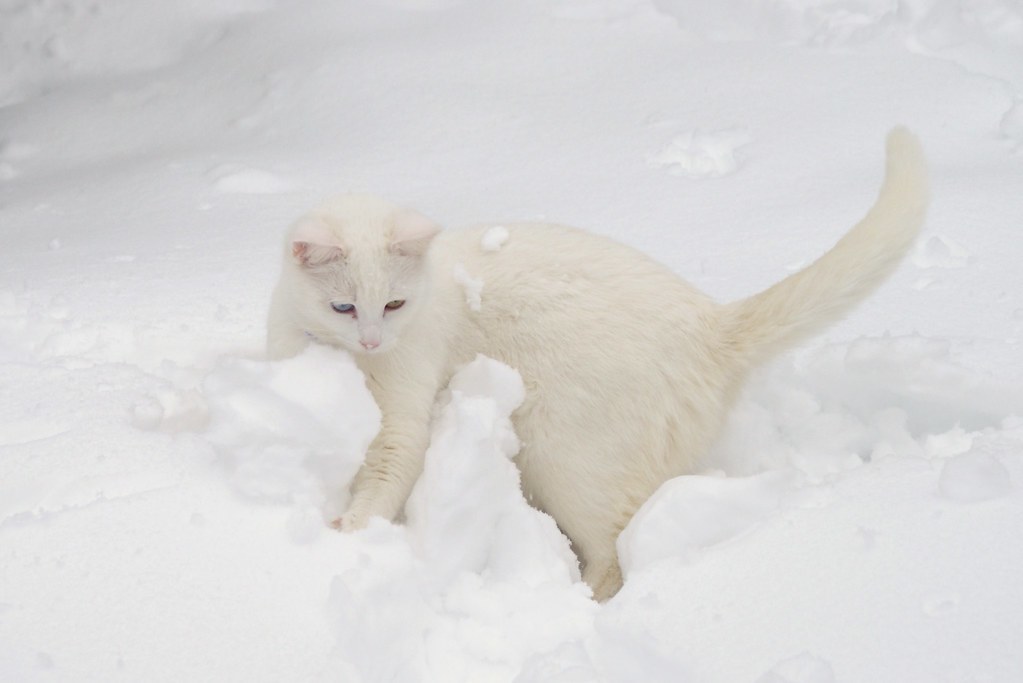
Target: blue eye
343 308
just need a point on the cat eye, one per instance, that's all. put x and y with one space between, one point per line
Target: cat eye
342 308
394 305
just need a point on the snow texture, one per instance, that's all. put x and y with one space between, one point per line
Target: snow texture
970 477
165 490
803 668
494 238
473 287
703 155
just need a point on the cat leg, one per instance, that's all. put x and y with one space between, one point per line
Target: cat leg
593 525
384 481
595 515
603 575
594 536
405 393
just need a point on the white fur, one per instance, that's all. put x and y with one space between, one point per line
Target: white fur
629 370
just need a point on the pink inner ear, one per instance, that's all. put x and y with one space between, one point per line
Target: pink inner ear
309 254
413 232
314 230
313 243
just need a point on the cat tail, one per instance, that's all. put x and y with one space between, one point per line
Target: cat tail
807 301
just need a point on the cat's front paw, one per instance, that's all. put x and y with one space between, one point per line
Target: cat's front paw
350 521
365 505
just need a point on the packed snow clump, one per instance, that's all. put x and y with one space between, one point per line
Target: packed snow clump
293 431
494 238
473 287
467 512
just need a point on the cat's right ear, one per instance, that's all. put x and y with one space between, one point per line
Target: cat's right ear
412 233
313 244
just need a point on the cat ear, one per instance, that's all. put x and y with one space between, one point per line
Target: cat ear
412 233
313 244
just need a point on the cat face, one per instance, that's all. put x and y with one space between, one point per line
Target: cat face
363 272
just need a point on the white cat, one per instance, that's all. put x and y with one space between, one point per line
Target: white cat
629 370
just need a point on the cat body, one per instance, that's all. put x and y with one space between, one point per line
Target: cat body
629 370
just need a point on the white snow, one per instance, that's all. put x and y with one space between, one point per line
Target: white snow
938 251
494 238
970 477
803 668
697 154
473 287
165 491
689 514
249 181
1011 125
444 597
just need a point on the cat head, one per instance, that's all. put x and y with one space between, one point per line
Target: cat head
362 270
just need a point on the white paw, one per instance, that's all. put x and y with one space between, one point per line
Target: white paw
353 520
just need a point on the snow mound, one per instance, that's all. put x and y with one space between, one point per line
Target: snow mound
293 431
427 602
467 512
58 40
692 513
846 404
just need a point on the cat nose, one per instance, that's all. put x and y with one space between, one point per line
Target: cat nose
369 336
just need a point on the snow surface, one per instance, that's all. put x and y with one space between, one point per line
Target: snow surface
703 155
163 489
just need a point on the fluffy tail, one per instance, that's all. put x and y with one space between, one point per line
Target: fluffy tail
805 302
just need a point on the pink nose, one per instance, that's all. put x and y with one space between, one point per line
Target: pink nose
369 344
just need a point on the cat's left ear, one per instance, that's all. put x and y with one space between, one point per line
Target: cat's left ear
412 233
313 244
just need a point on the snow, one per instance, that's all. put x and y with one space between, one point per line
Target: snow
941 252
165 490
803 668
472 286
972 476
249 181
494 238
696 154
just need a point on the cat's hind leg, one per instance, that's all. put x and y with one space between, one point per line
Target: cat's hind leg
603 575
593 497
592 522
